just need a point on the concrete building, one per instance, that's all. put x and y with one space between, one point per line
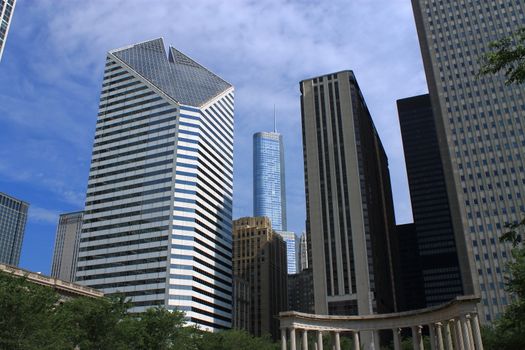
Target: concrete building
13 218
292 250
67 240
7 7
350 216
434 242
480 126
303 252
242 301
66 290
259 257
157 221
269 192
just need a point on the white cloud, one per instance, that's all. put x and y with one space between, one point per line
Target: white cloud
263 47
42 215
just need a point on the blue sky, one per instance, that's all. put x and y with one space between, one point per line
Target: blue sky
51 72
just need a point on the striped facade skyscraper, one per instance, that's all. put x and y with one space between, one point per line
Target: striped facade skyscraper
158 216
7 7
480 125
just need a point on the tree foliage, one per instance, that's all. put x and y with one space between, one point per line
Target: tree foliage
33 317
507 55
509 331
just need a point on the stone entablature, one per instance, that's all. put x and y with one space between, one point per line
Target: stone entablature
63 288
454 325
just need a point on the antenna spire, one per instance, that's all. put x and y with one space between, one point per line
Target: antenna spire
274 120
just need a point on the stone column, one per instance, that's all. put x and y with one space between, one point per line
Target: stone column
305 339
319 340
417 339
397 338
337 341
465 328
448 337
439 336
357 345
283 338
470 335
292 339
432 336
459 335
477 332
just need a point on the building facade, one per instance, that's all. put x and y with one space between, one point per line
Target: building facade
435 242
480 127
13 218
259 257
301 292
7 7
269 193
350 216
67 240
410 291
303 252
292 250
157 221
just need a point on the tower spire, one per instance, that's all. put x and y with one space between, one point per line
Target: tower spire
274 120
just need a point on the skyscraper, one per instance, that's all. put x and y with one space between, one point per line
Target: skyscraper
303 252
7 8
480 127
348 198
292 250
269 193
259 258
13 218
157 221
435 242
67 240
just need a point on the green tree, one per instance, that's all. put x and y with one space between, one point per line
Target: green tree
507 55
509 331
26 312
235 340
91 324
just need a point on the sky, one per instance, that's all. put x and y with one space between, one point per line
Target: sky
51 72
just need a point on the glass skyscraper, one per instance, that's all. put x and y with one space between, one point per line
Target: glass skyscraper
292 251
269 194
13 218
7 8
157 222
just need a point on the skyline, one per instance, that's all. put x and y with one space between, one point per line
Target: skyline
50 83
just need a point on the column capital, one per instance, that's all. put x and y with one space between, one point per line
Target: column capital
438 324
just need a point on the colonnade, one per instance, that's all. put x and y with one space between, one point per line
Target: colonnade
453 326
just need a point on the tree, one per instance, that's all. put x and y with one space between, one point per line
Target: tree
507 55
509 331
91 324
235 340
26 313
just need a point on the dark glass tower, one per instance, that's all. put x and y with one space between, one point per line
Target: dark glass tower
436 246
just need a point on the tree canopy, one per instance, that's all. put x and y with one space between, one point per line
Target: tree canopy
508 332
507 55
33 317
